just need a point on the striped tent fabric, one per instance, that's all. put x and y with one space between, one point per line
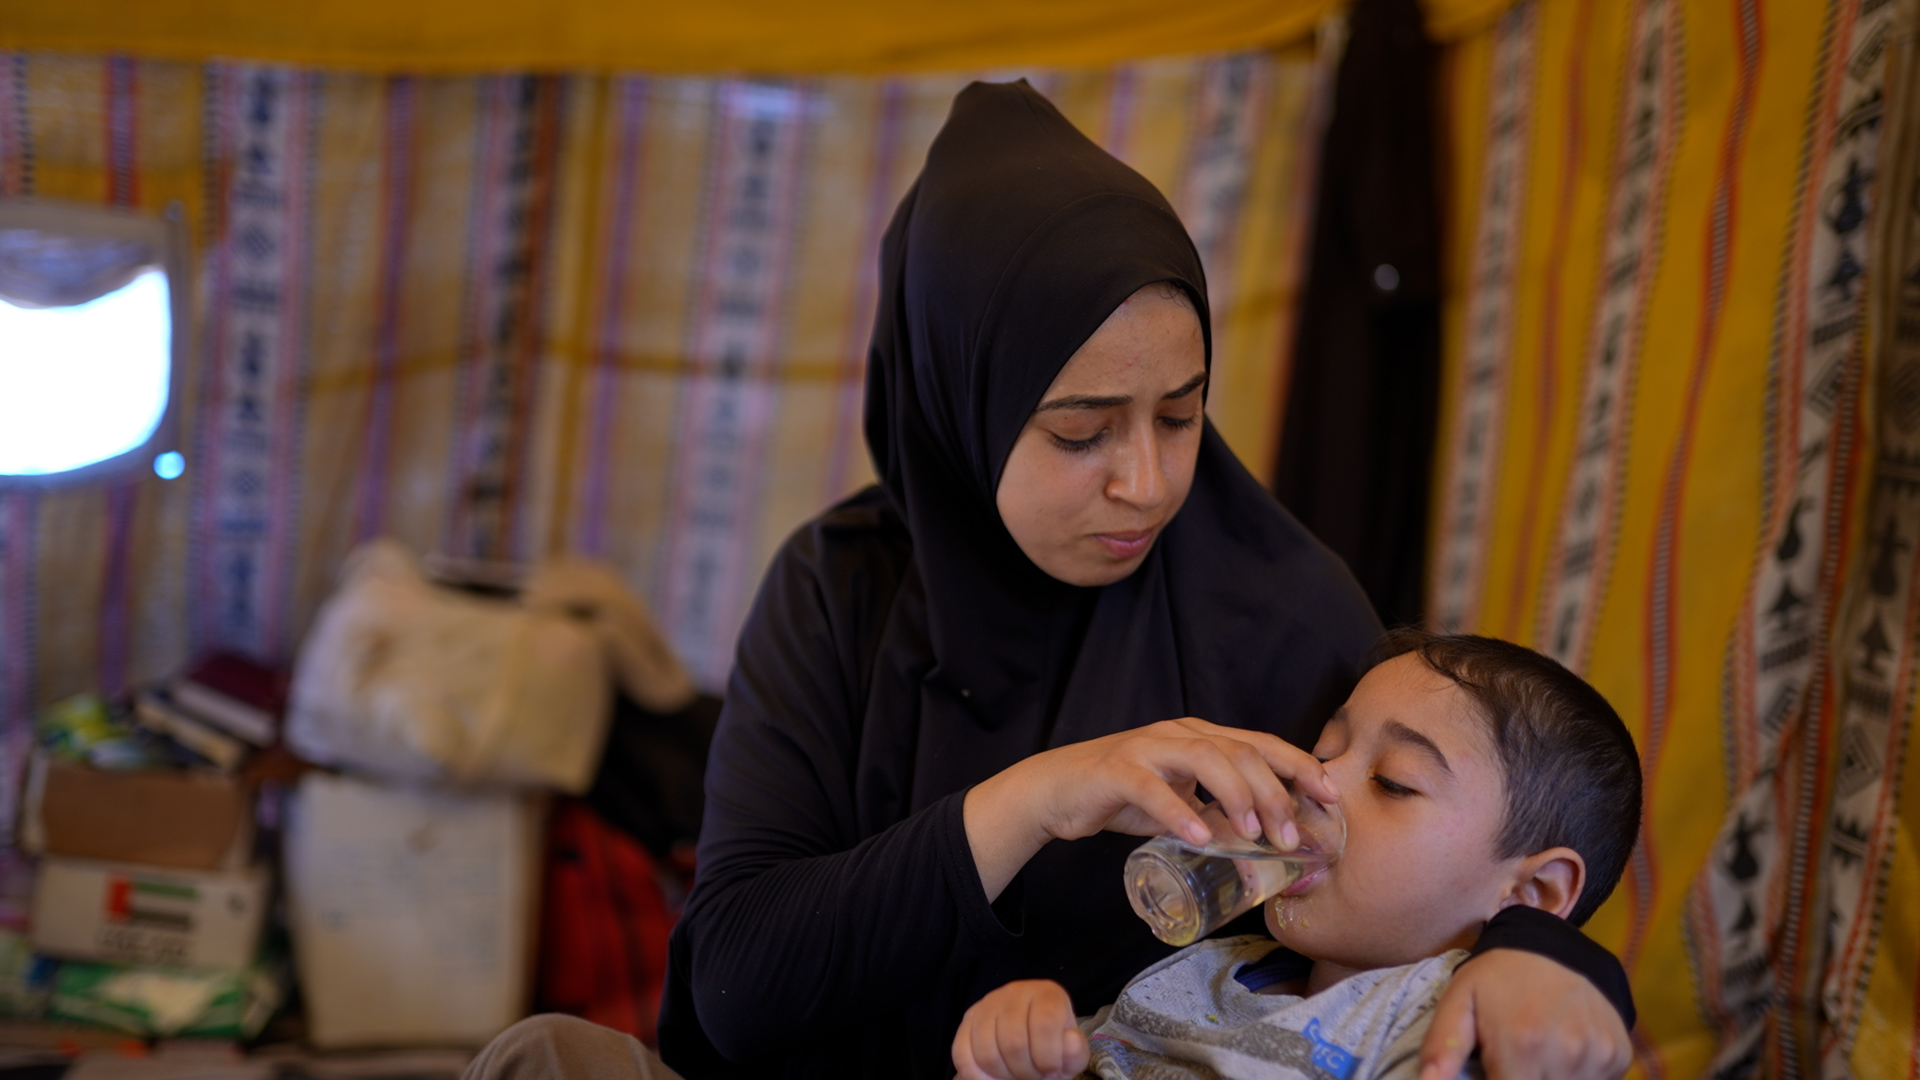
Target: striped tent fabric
1681 435
509 316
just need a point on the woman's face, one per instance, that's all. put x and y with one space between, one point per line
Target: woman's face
1107 458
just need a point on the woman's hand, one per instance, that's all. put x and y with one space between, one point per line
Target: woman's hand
1142 782
1532 1019
1022 1031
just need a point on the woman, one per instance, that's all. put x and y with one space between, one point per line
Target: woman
950 705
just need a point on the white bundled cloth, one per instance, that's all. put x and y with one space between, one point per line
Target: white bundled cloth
408 681
643 663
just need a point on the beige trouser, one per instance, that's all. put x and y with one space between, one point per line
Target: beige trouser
556 1047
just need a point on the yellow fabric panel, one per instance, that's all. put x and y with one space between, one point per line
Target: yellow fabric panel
750 36
1889 1037
1547 328
1460 20
1736 283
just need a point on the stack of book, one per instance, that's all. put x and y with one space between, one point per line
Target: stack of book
219 710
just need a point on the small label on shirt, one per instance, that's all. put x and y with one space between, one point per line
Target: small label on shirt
1337 1060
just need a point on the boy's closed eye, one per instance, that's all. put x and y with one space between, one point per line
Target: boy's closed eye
1391 788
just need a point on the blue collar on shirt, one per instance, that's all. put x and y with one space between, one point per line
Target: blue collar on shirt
1278 966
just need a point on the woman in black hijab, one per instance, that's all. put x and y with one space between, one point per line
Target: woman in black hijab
927 734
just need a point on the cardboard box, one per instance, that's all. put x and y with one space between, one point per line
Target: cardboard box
413 911
182 820
123 913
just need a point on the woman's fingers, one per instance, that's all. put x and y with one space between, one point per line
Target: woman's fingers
1251 797
1159 782
1140 781
1235 771
1449 1039
1282 757
1147 790
1265 760
1532 1019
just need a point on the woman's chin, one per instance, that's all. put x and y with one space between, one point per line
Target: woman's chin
1095 572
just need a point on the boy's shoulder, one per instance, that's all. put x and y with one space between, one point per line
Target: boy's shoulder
1191 1010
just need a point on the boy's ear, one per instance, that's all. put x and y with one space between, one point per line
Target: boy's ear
1550 880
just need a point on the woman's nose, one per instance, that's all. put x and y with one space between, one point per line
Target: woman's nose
1137 478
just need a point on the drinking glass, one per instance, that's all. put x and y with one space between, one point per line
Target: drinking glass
1186 891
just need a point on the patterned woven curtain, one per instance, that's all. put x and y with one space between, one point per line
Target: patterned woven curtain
1683 419
502 317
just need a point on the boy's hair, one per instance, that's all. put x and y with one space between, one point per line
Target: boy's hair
1572 774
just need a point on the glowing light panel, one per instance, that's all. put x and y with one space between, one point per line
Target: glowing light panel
84 383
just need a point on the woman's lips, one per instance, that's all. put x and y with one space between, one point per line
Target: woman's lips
1126 545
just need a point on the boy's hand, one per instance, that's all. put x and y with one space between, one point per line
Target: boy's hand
1022 1031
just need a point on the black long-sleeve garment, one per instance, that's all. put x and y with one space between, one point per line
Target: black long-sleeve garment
902 648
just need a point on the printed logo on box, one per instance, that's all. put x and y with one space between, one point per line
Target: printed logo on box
155 904
147 921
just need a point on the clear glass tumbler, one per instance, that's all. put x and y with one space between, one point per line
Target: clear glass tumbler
1186 891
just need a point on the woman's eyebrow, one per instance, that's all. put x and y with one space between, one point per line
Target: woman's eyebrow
1084 401
1098 401
1187 387
1398 732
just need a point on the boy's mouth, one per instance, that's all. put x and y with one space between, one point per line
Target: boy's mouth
1306 884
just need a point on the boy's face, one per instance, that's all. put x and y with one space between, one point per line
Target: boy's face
1422 790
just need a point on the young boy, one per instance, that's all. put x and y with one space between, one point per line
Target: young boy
1475 776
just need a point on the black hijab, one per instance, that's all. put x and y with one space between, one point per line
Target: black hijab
1019 239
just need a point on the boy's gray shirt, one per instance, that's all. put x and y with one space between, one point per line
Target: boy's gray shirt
1188 1017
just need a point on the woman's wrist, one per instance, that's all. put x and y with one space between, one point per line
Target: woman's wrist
1002 830
1531 930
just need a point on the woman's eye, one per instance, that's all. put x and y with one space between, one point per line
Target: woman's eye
1390 789
1079 446
1180 423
